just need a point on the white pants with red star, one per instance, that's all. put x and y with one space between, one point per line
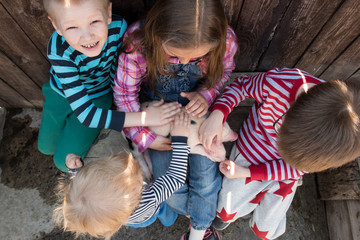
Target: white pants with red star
268 201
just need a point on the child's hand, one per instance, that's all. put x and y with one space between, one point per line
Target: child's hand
73 161
211 129
181 125
159 113
198 105
233 170
161 144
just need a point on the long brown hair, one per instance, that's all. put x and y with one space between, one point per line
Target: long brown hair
183 24
321 130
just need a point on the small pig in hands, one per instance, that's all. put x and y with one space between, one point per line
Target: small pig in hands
218 151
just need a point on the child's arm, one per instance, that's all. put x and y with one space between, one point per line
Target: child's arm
208 95
175 177
155 115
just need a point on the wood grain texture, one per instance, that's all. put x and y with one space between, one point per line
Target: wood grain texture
346 64
12 97
338 33
21 50
255 27
343 219
340 184
302 21
32 19
20 82
232 10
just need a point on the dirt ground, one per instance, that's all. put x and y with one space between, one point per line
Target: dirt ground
24 167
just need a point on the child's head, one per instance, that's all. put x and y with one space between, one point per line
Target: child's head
186 29
83 23
101 197
321 130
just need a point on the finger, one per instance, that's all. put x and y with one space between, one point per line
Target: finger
186 95
199 110
158 103
201 114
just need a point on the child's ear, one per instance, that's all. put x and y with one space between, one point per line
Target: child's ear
109 13
55 26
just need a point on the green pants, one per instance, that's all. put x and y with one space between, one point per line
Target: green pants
61 132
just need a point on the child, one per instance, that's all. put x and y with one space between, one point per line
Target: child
298 124
109 193
83 53
183 52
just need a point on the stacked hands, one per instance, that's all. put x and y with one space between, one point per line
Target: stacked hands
205 135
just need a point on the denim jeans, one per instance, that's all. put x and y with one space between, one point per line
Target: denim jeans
198 197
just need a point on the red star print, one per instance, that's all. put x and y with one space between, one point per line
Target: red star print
226 216
258 197
284 190
259 233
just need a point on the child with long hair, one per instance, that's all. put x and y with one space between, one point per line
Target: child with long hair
183 51
109 193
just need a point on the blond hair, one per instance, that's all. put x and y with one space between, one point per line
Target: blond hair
101 197
321 130
48 5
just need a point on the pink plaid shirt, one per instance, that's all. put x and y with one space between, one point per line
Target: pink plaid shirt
130 74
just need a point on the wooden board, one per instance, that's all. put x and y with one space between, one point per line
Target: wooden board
338 33
232 10
355 77
20 81
301 23
254 29
340 184
346 65
12 97
343 219
33 20
4 104
21 50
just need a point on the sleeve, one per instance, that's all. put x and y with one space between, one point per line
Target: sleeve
175 177
80 102
242 87
274 170
128 79
229 66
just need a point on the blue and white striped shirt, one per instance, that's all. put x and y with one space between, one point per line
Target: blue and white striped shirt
155 193
80 78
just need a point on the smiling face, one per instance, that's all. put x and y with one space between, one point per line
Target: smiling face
84 25
185 54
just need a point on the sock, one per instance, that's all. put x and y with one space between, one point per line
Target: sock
196 234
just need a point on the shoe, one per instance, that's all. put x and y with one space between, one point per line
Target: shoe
219 224
210 234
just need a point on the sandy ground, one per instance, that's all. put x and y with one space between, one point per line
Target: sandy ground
28 179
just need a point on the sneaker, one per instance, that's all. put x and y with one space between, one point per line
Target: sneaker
219 224
210 234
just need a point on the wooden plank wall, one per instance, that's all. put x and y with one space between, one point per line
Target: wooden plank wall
319 36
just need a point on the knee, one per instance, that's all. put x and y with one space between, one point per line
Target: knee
45 149
60 163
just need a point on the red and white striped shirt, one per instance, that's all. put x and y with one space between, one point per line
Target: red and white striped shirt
273 92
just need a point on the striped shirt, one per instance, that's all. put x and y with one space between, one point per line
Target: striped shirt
157 192
130 74
80 79
273 92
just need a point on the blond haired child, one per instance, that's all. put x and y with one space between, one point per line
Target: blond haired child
298 124
83 52
109 193
183 51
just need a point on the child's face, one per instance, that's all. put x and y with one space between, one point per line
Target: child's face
84 26
185 54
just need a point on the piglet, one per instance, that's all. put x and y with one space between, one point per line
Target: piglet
217 153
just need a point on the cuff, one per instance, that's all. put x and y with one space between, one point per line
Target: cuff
258 172
223 109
